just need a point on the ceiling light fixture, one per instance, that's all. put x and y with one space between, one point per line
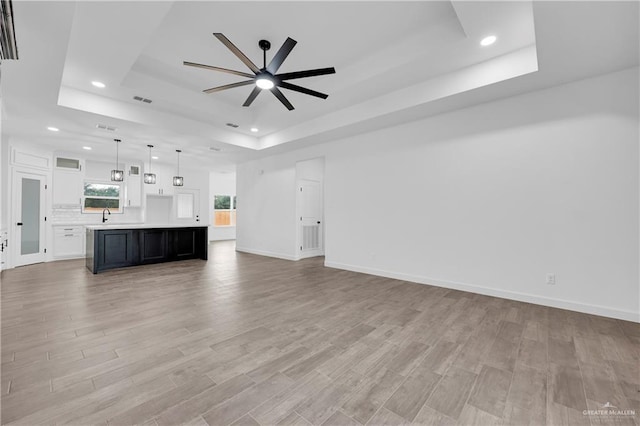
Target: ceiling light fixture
155 157
264 82
88 148
254 129
488 41
117 175
98 84
150 178
178 180
265 77
53 129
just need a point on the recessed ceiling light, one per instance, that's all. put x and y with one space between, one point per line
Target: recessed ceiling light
53 129
99 84
488 41
88 148
154 157
254 129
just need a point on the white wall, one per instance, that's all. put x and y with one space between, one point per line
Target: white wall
487 199
267 206
221 184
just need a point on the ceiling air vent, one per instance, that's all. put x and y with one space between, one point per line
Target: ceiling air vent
214 148
235 126
8 46
105 127
141 99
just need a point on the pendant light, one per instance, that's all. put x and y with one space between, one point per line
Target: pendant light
116 174
178 180
150 177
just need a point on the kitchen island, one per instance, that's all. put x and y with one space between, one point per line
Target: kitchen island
118 246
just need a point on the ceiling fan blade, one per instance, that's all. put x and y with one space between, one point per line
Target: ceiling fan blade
307 73
237 52
254 93
210 67
278 94
282 54
229 86
304 90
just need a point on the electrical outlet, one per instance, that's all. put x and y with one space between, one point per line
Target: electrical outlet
551 279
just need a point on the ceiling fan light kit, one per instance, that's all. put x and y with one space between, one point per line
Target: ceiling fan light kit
265 78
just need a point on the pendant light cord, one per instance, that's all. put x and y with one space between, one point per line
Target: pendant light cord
150 146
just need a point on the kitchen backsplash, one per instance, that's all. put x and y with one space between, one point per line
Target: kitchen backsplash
69 215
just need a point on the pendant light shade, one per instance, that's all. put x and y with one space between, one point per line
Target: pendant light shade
150 178
178 180
117 175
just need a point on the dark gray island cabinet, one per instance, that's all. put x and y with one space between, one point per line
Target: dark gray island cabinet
111 246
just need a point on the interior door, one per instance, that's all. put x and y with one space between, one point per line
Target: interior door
29 219
188 206
310 218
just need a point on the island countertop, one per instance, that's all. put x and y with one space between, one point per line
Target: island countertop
138 226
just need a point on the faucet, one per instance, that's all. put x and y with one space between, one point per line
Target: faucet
104 219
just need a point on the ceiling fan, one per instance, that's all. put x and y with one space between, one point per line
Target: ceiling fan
265 77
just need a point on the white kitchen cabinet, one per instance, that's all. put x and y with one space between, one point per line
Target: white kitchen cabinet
68 241
134 186
69 164
163 185
67 188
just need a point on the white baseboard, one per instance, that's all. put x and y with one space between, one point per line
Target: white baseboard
267 253
504 294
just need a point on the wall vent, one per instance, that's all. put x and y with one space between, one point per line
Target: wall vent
310 237
105 127
141 99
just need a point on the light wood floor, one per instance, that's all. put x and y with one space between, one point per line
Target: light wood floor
250 340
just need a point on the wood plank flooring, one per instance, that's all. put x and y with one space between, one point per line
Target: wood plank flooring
249 340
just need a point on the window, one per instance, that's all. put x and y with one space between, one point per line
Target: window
99 196
224 210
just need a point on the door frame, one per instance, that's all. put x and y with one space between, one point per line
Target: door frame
16 175
303 254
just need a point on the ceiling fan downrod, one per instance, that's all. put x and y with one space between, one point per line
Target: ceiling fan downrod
264 45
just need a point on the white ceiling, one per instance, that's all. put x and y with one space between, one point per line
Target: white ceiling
395 61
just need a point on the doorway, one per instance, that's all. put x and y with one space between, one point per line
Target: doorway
28 213
310 207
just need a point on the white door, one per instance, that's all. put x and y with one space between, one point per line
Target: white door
29 219
310 218
188 206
